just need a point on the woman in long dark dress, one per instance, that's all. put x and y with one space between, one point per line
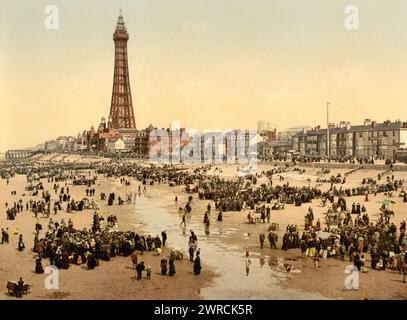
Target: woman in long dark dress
172 267
21 245
38 266
197 265
163 267
91 261
65 260
191 253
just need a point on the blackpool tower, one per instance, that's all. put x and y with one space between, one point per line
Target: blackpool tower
121 109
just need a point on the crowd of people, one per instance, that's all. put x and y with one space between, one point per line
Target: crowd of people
354 237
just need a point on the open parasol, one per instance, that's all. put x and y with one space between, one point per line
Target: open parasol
386 202
325 235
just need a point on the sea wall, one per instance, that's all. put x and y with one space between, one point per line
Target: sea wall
336 165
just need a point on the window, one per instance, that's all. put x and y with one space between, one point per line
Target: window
394 133
384 134
360 134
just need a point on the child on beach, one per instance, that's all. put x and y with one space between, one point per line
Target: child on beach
316 262
149 272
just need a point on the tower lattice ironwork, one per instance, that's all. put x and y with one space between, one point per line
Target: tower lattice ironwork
121 109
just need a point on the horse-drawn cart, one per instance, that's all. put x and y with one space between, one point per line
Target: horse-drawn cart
177 254
12 288
332 218
191 188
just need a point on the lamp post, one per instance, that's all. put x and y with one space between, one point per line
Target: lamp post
327 130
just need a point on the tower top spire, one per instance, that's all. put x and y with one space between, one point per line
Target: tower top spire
120 22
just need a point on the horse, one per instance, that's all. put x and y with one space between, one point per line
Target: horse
341 203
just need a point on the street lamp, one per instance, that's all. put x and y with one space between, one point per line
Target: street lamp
327 129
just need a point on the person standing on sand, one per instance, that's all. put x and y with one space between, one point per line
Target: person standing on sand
220 216
206 218
316 262
272 241
134 259
21 245
183 221
163 266
149 272
191 252
19 288
197 263
140 268
248 262
193 236
38 266
262 237
172 266
3 236
164 237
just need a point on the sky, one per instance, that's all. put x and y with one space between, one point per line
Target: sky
211 64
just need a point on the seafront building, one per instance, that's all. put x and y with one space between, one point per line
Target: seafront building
370 139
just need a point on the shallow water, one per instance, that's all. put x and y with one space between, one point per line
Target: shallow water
237 278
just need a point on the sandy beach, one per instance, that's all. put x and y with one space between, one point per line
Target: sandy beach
225 273
111 280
